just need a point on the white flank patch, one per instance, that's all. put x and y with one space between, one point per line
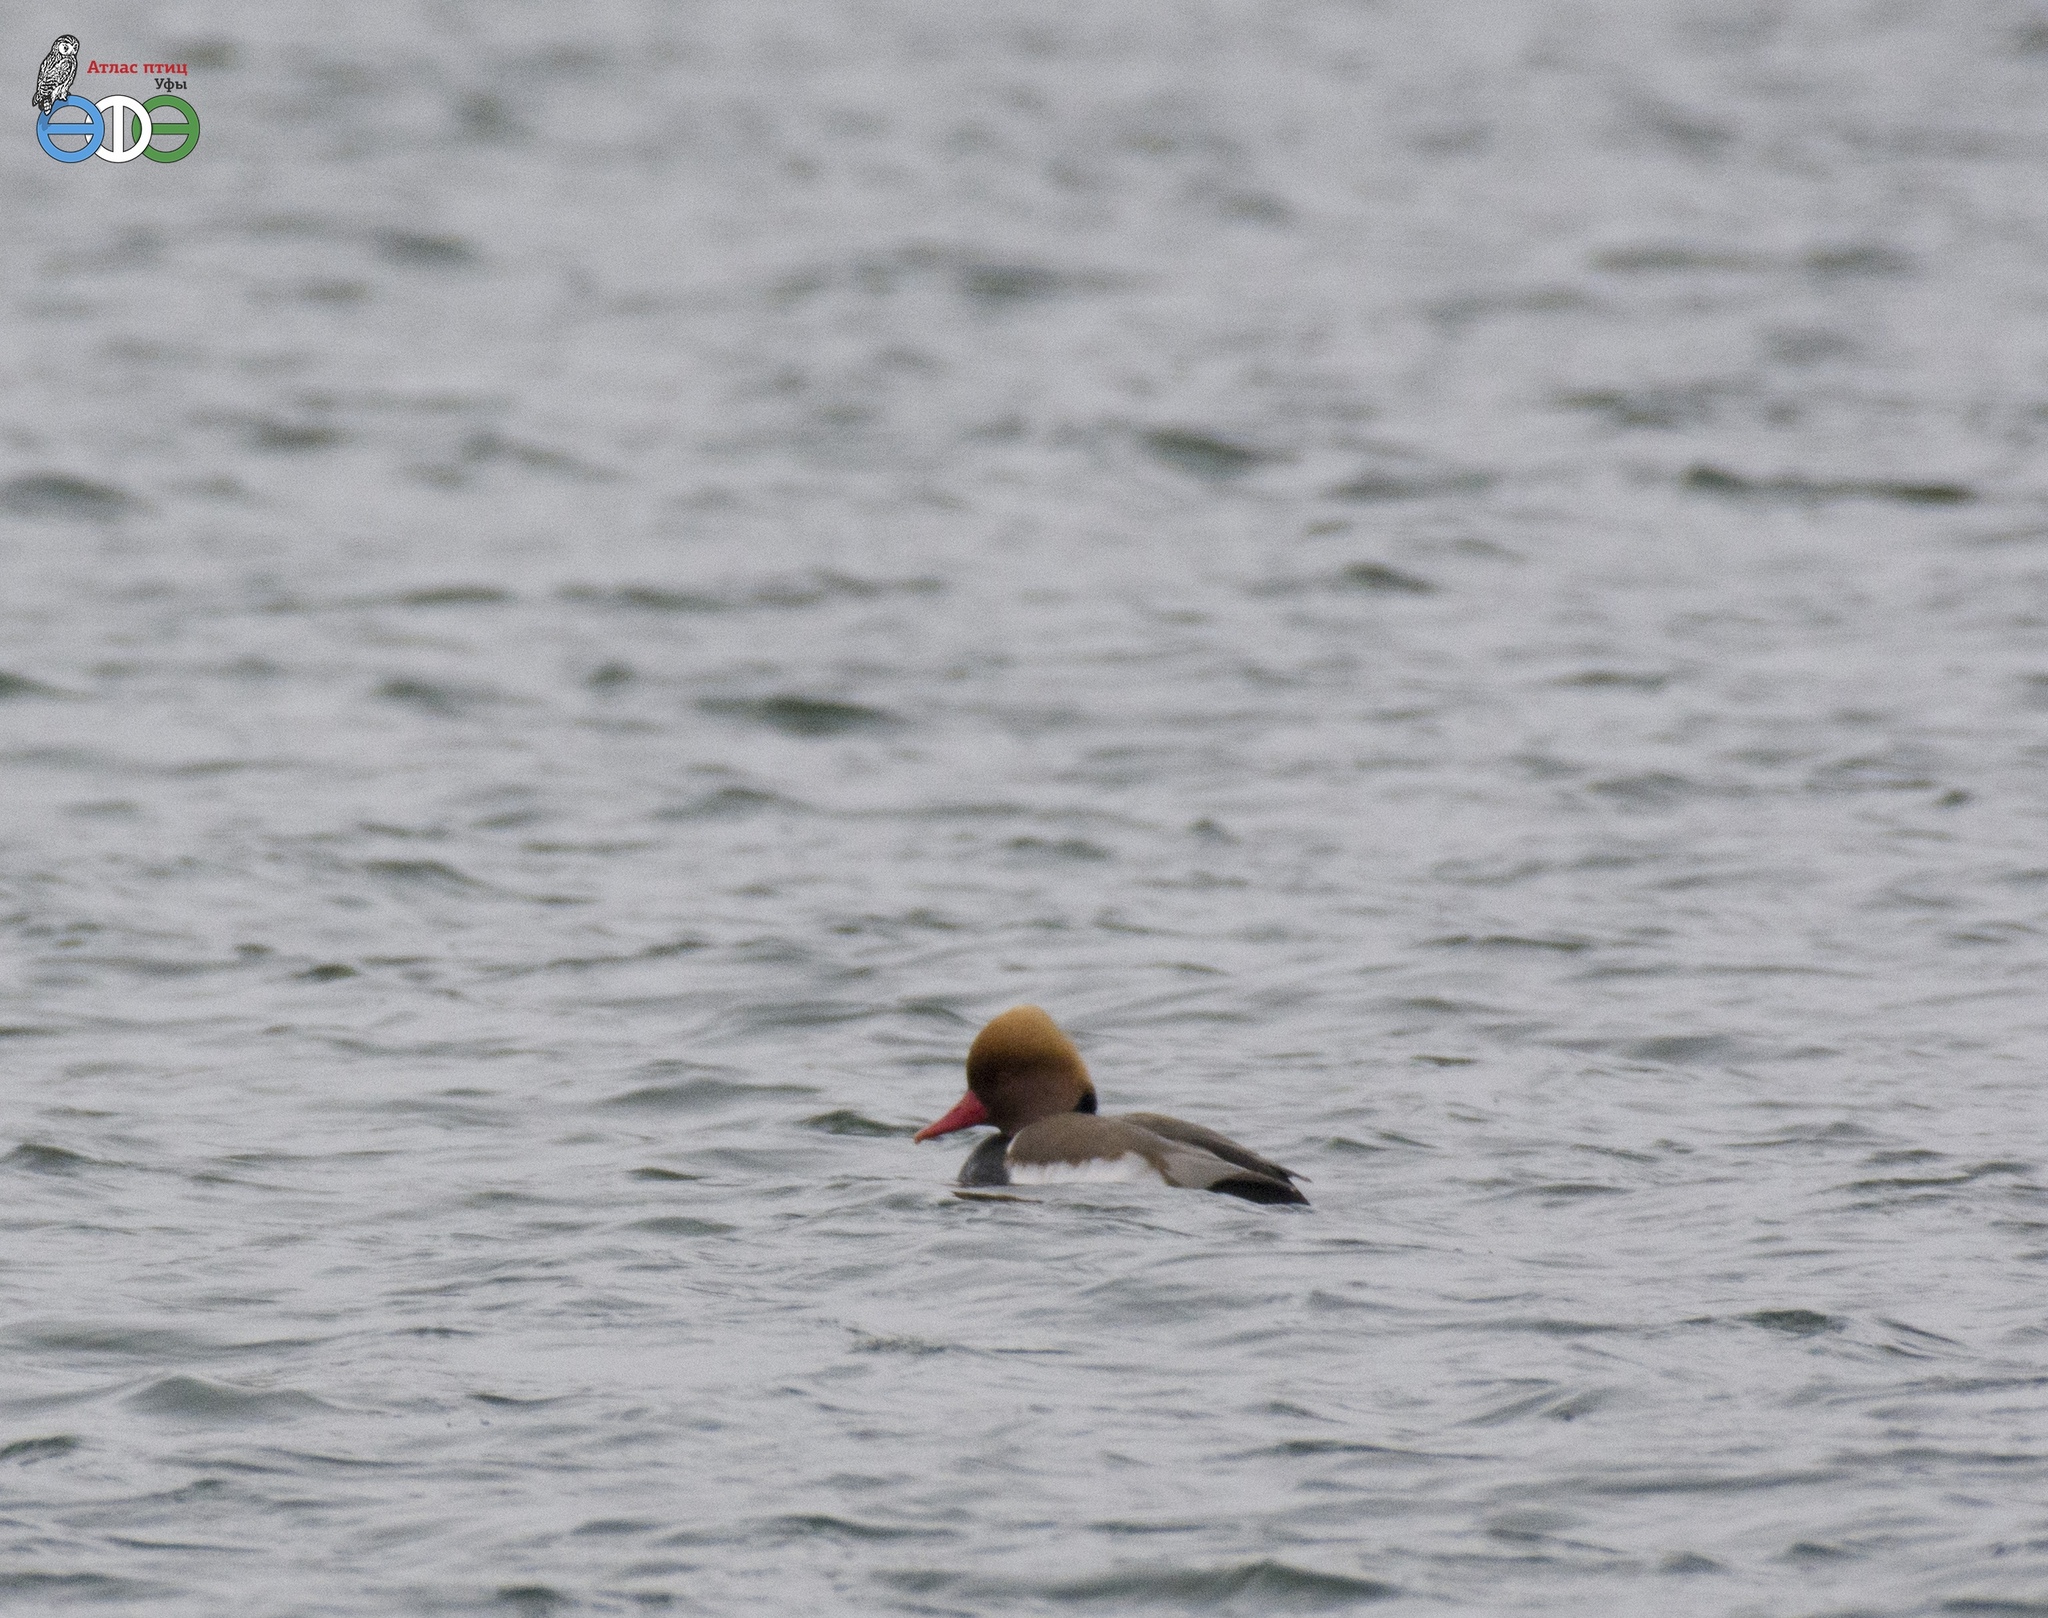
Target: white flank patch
1127 1169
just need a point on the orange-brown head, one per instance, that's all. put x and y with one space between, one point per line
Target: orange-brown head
1020 1069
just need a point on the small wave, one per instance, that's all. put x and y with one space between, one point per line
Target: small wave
1910 1182
490 446
467 1049
1649 789
193 1398
36 1158
819 1525
1809 1551
585 963
436 595
847 1122
141 1342
419 248
645 598
1793 486
132 1543
1664 405
679 1225
900 1343
1380 579
65 1588
1207 455
802 716
437 697
1010 283
1689 1562
15 686
1403 485
826 585
1613 680
57 494
1332 1446
293 437
1859 258
1251 1587
607 1526
727 802
1682 1049
1842 1129
1544 1326
1664 258
1885 772
807 590
1793 1322
532 1600
1065 848
315 1461
630 846
454 595
425 874
1710 1482
27 1451
1121 1526
157 966
1555 1404
803 1014
701 1095
1564 944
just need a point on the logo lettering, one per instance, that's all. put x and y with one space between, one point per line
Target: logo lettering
118 128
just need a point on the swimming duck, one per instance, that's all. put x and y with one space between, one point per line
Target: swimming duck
1025 1077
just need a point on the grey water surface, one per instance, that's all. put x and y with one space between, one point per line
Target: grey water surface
1460 590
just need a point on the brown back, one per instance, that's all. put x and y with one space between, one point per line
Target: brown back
1078 1138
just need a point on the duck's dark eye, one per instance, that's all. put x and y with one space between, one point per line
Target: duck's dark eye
1086 1103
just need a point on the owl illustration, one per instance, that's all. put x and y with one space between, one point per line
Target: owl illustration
53 78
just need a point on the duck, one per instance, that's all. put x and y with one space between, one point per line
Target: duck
1025 1077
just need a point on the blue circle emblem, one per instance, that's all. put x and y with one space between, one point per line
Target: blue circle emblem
94 128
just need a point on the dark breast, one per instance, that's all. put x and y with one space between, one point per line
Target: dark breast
984 1165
